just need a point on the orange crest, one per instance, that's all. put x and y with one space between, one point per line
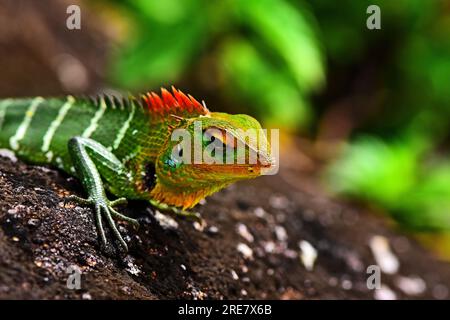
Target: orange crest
176 103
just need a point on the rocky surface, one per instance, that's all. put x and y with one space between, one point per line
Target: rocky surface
267 238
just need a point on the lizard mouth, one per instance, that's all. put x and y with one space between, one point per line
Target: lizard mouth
240 170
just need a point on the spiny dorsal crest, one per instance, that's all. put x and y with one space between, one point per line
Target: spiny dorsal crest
175 103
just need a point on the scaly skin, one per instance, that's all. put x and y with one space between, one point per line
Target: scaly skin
125 147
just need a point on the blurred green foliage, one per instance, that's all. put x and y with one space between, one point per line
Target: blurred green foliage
271 55
400 160
265 52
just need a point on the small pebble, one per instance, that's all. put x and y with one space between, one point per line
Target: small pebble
234 275
281 233
199 226
291 254
213 230
33 222
132 268
347 284
383 255
269 246
260 212
165 221
243 231
384 293
411 285
308 254
279 202
86 296
245 250
126 289
12 211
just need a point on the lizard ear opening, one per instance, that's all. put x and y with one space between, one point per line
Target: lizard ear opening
150 176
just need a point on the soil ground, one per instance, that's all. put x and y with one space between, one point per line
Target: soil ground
249 247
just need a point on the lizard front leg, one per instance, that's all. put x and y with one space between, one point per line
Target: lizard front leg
91 161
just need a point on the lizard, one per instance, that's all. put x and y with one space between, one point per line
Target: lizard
123 147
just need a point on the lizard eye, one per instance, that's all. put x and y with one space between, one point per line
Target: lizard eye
215 136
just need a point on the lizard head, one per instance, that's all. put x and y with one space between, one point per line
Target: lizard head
208 152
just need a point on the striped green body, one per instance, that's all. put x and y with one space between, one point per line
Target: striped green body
38 131
130 144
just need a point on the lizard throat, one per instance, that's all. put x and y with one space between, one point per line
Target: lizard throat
182 198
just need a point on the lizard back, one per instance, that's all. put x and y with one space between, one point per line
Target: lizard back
38 129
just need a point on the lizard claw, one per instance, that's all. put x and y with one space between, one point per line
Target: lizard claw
77 199
104 209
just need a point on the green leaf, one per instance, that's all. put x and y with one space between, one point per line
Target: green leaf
427 205
288 31
253 78
161 48
374 170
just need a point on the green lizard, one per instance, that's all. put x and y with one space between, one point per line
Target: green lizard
124 146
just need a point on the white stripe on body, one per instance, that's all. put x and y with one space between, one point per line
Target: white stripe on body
3 106
23 127
48 137
94 121
125 127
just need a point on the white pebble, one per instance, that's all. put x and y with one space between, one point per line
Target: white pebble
86 296
260 212
165 221
269 246
245 250
243 231
346 284
384 293
281 233
213 229
383 255
279 202
308 254
411 285
199 226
